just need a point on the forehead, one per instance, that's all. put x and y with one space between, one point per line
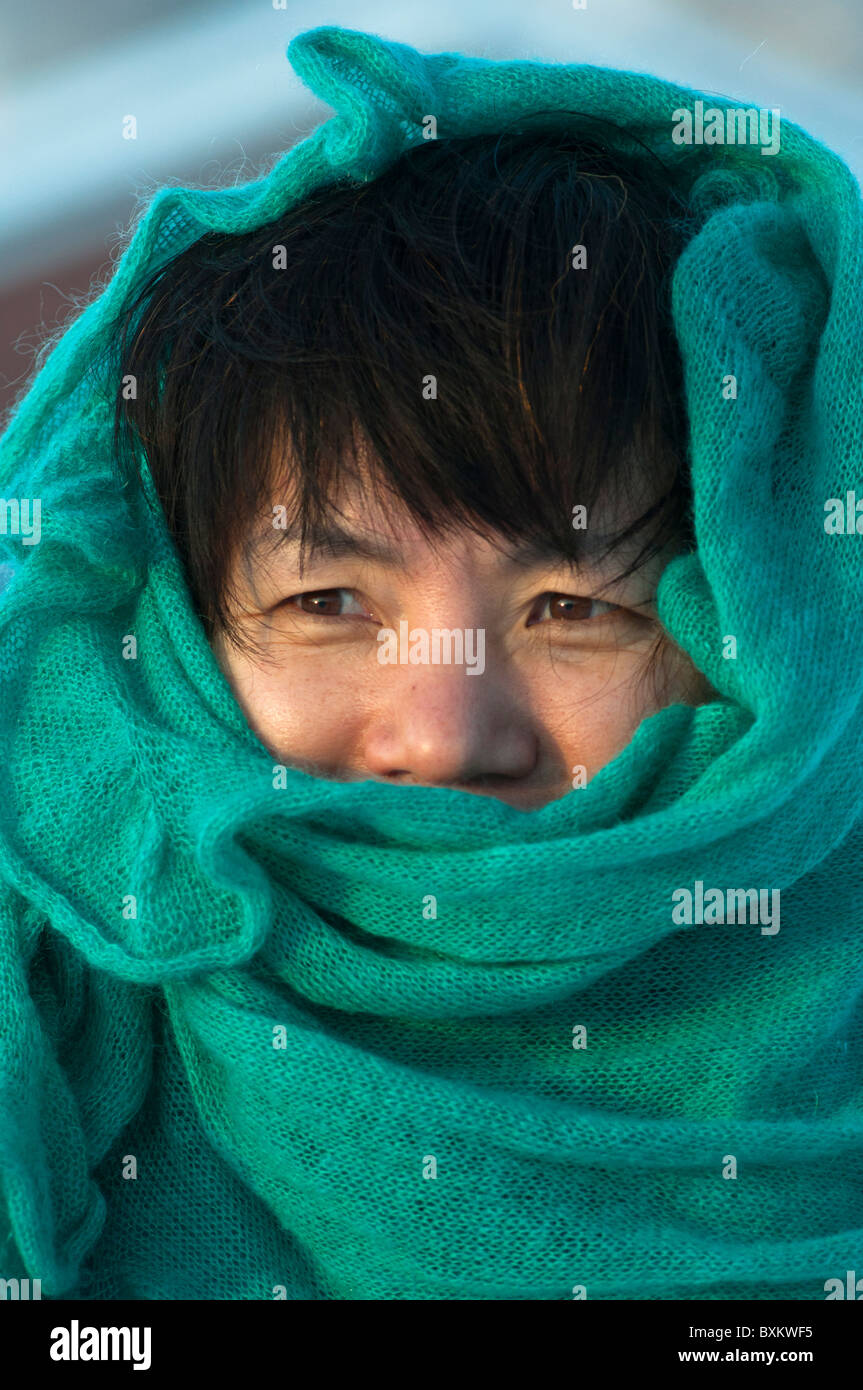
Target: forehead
360 515
391 539
369 510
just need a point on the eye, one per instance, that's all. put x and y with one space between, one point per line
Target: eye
326 603
570 608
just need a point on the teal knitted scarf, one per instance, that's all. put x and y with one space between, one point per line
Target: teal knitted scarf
239 1058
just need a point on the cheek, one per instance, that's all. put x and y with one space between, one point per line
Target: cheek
591 711
594 723
298 712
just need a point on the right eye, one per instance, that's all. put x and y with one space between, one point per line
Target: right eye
324 603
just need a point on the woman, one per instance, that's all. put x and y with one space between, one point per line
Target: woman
340 976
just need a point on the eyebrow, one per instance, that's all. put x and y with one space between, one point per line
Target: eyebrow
332 542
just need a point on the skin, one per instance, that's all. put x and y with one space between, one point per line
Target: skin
566 680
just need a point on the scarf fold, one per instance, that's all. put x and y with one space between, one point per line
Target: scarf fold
285 1037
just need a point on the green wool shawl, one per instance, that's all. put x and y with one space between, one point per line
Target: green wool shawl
272 1036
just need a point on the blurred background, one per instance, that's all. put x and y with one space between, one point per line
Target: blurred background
216 101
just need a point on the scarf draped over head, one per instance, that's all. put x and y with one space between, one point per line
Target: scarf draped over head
272 1035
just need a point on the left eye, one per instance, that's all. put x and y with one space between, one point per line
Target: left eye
326 603
569 608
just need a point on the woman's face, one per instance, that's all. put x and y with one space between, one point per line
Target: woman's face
548 674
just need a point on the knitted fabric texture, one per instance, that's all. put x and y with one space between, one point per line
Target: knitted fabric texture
278 1074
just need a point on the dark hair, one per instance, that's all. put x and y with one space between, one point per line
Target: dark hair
555 385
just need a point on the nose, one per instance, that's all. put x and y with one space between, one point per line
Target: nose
440 726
